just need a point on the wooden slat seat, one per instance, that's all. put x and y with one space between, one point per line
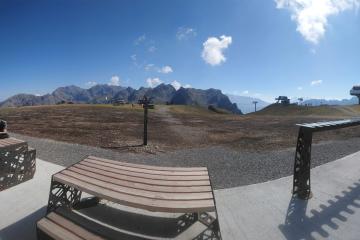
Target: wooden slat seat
302 161
185 169
59 228
65 224
10 142
177 190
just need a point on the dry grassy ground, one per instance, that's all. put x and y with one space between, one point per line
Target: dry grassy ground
174 127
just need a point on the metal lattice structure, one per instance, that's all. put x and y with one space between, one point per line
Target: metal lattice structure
62 195
17 162
302 164
301 182
213 229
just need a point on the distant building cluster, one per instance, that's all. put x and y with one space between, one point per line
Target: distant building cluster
355 91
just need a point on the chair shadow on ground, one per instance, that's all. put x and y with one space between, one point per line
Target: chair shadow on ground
163 227
24 228
299 226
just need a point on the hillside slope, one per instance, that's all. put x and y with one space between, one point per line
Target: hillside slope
295 110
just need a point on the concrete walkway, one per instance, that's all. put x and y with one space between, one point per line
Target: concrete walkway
259 211
22 205
268 211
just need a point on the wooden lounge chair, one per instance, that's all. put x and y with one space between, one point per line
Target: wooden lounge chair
17 162
161 189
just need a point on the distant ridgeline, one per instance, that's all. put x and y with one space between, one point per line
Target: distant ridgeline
101 94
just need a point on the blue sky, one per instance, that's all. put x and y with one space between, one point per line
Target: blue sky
299 48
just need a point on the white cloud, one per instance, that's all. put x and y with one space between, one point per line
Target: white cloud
152 67
245 92
140 39
213 51
316 82
149 67
176 84
312 16
38 95
90 83
165 69
184 33
300 88
153 82
114 81
133 57
152 49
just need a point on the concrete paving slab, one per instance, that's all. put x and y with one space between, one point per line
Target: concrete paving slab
268 210
22 205
260 211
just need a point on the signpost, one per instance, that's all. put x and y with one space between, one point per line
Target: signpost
145 103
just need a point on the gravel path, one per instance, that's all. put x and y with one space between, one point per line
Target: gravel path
189 134
228 168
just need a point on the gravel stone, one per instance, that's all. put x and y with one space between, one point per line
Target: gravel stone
227 167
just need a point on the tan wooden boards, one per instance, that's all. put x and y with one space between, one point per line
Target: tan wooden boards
9 142
60 228
163 189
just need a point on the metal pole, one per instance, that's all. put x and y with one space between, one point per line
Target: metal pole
145 123
255 102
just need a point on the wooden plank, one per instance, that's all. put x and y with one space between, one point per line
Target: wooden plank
72 227
55 231
141 170
11 142
143 175
185 169
330 125
143 186
137 192
144 180
5 142
10 145
174 206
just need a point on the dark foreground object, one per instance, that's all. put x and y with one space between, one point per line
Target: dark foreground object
3 133
185 191
17 162
301 182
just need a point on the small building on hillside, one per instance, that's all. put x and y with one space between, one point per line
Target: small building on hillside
355 91
118 102
283 100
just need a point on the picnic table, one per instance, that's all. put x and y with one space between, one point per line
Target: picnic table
17 162
151 188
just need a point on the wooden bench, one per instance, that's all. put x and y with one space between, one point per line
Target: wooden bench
302 164
17 162
159 189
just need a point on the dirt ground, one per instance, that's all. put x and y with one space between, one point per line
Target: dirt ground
174 127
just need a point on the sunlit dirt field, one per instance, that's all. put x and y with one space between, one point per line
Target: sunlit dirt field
174 127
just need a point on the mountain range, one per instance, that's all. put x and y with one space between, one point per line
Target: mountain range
318 102
102 94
